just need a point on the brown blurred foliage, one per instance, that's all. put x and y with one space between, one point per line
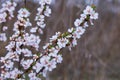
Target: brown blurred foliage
97 55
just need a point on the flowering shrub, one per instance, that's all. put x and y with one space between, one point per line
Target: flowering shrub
20 63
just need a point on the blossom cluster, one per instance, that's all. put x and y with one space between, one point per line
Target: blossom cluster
6 12
52 57
88 12
16 48
20 62
42 12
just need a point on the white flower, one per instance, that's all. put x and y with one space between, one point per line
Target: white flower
44 60
27 23
41 24
23 12
88 10
40 31
12 55
2 59
40 18
14 73
40 9
9 6
9 64
76 35
91 22
3 17
48 1
50 65
26 52
70 30
14 4
37 67
32 76
62 42
10 46
94 15
74 42
83 16
26 63
3 37
5 28
33 30
47 12
42 2
46 45
53 52
79 31
44 73
77 22
32 40
85 25
9 55
5 74
58 58
54 37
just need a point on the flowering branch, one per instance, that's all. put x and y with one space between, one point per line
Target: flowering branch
6 12
47 61
16 51
51 56
20 63
43 11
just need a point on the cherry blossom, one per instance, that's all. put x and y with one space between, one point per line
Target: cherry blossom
37 67
62 42
3 37
88 10
3 17
54 37
33 76
4 28
77 22
43 11
7 11
23 13
21 45
26 63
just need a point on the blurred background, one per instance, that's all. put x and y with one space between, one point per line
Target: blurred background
97 55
